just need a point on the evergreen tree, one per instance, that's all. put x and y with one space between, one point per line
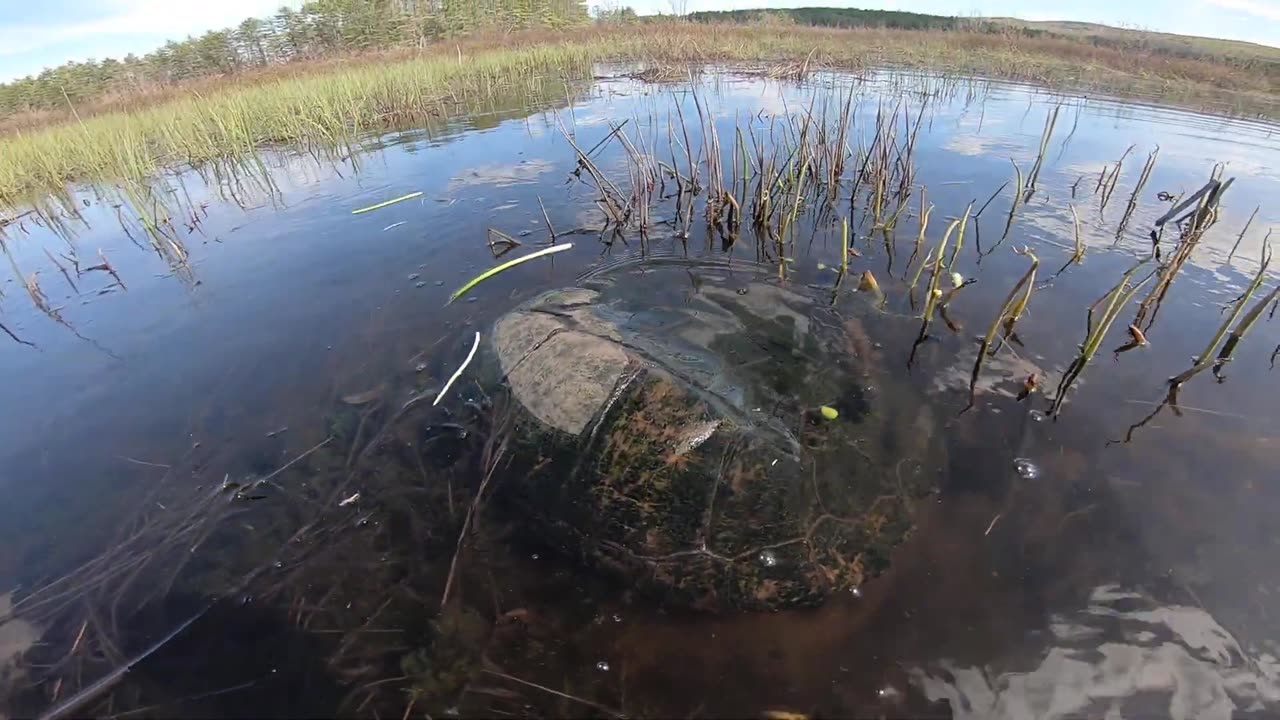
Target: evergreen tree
318 28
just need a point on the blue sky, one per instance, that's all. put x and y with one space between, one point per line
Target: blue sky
40 33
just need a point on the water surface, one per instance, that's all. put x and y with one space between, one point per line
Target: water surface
1121 579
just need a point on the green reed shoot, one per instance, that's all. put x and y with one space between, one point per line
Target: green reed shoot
964 221
506 266
1115 301
1206 358
936 277
1237 335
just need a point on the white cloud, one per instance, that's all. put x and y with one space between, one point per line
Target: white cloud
1257 8
168 18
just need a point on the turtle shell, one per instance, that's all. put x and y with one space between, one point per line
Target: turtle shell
678 443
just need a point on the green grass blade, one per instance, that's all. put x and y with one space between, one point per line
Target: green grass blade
506 266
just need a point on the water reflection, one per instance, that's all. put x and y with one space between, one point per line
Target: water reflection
1123 655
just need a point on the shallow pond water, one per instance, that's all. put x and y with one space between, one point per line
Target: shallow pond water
1057 571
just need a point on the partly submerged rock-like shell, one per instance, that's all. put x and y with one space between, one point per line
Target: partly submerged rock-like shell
680 443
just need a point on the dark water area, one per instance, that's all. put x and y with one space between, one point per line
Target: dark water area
241 445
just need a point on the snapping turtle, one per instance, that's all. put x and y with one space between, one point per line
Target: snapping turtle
673 436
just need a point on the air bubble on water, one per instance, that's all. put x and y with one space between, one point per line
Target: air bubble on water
1026 469
1037 416
768 558
602 666
534 556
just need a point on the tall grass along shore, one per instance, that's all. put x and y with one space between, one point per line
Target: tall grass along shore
327 104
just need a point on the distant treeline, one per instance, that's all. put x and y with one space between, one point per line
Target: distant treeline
319 29
837 17
1115 38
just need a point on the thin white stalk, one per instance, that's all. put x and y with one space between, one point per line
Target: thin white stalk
475 346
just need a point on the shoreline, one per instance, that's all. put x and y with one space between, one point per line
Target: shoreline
331 102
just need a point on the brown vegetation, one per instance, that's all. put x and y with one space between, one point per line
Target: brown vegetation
1053 60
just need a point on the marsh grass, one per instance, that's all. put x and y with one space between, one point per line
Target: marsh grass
314 107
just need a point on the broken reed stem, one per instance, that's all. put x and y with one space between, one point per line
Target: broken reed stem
1077 254
994 195
1017 197
844 246
610 195
1113 179
551 231
688 148
1010 310
1206 200
1137 190
1049 122
1243 230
